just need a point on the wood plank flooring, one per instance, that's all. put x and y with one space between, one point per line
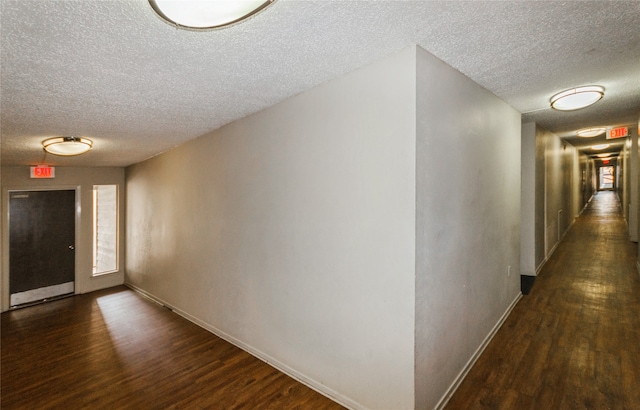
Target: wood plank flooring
114 349
574 341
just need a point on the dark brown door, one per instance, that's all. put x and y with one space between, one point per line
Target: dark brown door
41 244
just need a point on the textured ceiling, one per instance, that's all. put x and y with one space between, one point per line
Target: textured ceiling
112 71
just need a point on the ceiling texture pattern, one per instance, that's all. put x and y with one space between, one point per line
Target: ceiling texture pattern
113 71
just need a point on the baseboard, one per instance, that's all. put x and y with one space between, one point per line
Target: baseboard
573 222
312 384
548 256
585 205
465 370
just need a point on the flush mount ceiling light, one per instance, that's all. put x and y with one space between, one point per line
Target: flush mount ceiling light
207 14
604 155
591 132
67 146
577 98
601 146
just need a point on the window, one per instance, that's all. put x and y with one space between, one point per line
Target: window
606 177
105 229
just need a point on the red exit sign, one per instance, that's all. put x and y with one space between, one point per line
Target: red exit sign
43 171
619 132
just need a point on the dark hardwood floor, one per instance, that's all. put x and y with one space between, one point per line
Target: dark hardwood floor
574 341
114 349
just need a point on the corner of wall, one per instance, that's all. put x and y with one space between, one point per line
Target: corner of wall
463 202
304 224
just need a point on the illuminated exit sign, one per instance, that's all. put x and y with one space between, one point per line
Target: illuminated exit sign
619 132
43 171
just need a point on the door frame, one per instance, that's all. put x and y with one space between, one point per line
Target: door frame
6 215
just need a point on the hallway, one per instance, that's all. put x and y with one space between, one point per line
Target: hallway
574 341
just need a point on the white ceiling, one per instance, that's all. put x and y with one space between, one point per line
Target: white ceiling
112 71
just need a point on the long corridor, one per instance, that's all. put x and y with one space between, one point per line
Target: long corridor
574 341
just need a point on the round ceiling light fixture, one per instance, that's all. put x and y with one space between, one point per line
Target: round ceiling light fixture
67 146
601 146
591 132
207 14
604 155
576 98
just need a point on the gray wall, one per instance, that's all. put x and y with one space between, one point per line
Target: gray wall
557 190
81 180
638 190
553 193
291 233
622 181
468 222
294 233
587 175
528 195
540 200
632 201
627 185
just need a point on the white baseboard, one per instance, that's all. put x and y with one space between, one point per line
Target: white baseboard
315 385
319 387
550 254
474 358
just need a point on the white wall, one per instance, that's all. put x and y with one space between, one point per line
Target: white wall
292 233
528 200
633 187
540 199
357 236
81 180
575 158
556 193
555 212
638 190
623 180
468 221
587 175
563 200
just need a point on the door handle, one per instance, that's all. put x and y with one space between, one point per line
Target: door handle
72 247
